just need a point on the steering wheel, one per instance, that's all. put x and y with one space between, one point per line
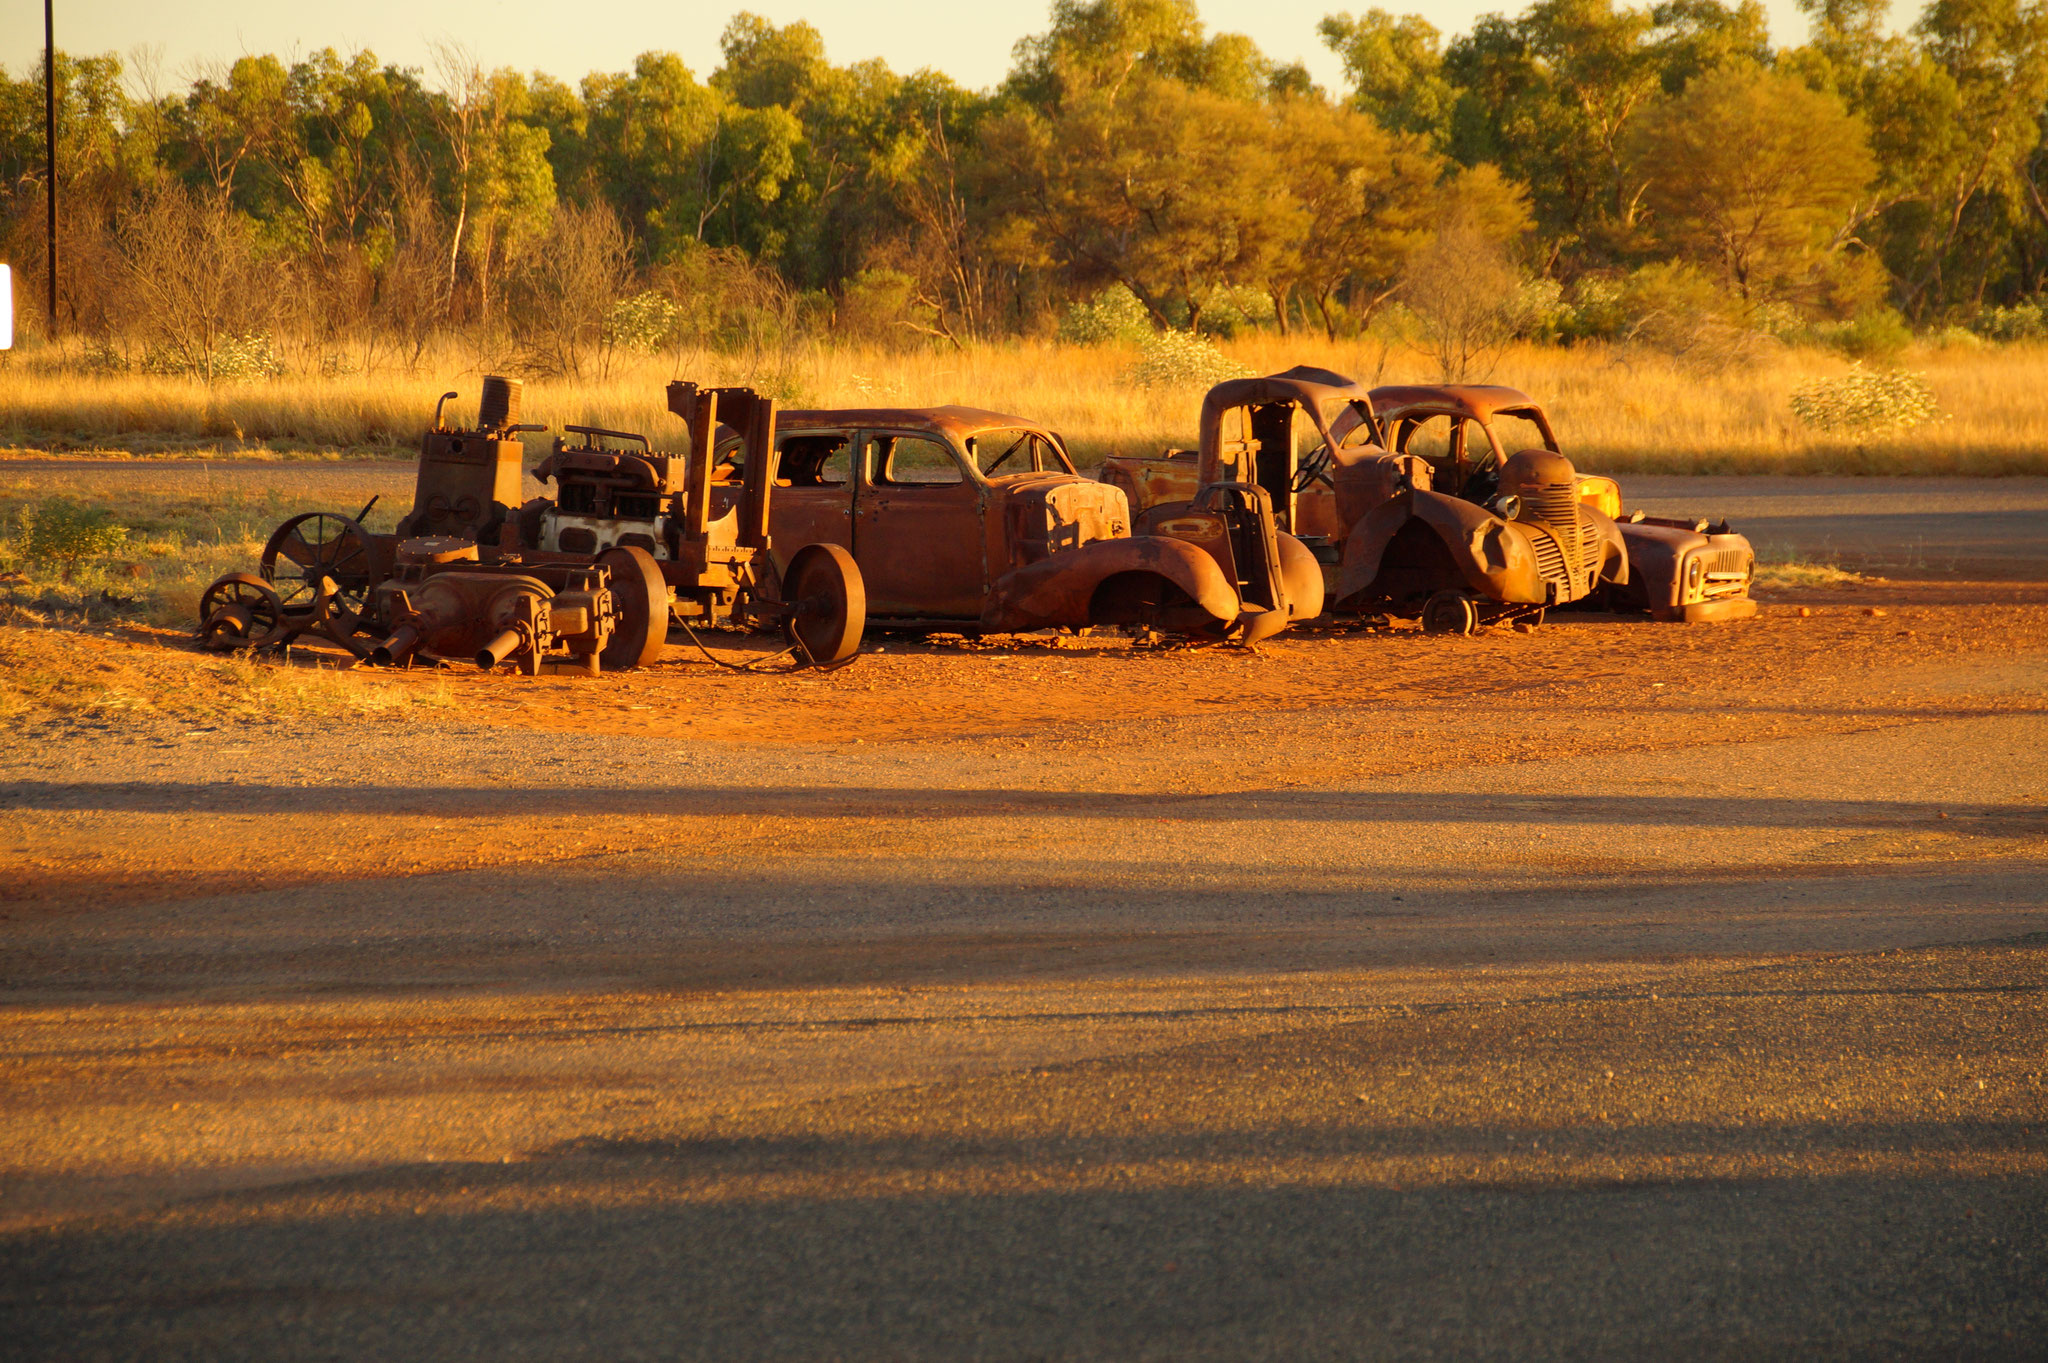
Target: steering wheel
1314 468
1482 482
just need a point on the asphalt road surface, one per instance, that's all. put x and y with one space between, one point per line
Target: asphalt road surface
1909 528
1914 528
1615 991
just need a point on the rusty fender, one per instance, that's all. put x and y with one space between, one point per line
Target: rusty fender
1495 561
1302 577
1059 590
1613 548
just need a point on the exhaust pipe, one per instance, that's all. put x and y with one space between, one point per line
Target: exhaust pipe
397 649
498 649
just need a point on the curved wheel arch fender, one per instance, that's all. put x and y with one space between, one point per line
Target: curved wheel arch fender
1057 590
1494 556
1613 550
1301 577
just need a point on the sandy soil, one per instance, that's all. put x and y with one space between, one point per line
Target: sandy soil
1613 990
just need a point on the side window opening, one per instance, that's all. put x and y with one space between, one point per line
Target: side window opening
819 460
914 461
1429 437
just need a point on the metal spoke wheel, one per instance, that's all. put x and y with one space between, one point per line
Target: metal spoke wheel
240 611
314 546
828 604
641 594
1449 613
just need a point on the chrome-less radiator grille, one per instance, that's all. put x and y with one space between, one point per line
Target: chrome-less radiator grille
1554 504
1549 559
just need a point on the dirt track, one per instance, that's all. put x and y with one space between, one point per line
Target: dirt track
1616 990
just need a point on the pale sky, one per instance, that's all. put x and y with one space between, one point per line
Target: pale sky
970 42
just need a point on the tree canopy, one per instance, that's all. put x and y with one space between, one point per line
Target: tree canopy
1129 146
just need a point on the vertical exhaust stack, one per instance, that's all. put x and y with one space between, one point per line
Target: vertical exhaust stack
499 405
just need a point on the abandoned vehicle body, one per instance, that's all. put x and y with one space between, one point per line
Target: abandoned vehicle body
962 519
1472 534
1675 569
1414 505
593 576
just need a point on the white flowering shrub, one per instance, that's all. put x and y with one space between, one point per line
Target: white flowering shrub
645 321
252 356
1179 359
1865 402
874 390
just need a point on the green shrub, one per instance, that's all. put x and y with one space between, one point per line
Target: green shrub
1176 359
2023 321
1235 308
234 357
1113 315
646 321
1863 402
1675 308
61 531
1875 333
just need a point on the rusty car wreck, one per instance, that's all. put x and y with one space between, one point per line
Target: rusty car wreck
632 540
967 520
1413 504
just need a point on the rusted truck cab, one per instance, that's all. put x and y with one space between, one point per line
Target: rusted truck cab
1284 433
1453 503
1671 569
968 520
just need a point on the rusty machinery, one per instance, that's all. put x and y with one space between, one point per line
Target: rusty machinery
592 576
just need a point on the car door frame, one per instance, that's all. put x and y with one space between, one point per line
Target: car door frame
899 586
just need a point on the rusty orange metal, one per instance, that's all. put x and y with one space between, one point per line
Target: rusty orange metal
633 539
973 520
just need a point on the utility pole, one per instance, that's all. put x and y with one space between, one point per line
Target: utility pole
50 143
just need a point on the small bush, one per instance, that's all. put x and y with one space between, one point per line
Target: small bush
234 357
1545 316
2024 321
62 531
646 321
1875 333
1234 308
1176 359
1113 315
1863 402
1677 310
882 306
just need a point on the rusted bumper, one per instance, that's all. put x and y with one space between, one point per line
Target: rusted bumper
1702 612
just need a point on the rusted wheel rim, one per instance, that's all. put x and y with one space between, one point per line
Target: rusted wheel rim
642 596
1448 613
239 610
321 545
828 604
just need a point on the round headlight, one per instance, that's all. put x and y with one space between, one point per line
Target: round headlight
1507 506
1695 573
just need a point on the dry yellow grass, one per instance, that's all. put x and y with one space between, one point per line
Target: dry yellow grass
63 676
1616 411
